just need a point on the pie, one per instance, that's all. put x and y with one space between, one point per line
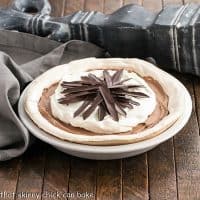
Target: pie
110 101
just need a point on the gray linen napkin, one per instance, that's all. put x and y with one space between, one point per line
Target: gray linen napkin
22 58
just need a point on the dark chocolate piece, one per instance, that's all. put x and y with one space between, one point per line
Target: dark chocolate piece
105 93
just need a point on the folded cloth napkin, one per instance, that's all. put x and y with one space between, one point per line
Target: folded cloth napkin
22 58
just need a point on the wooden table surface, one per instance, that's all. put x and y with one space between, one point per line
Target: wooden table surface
169 172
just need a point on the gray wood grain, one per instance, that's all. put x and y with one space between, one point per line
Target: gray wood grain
187 153
162 174
30 179
56 175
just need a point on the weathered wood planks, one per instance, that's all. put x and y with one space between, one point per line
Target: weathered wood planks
187 153
73 5
94 5
31 174
82 178
56 175
132 1
152 5
9 172
112 5
162 172
167 2
135 178
170 171
109 180
57 7
4 3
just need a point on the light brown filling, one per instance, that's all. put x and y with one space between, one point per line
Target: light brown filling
160 111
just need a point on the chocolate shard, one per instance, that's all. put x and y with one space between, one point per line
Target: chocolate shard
107 78
73 100
109 101
120 109
117 76
126 105
94 78
127 100
134 86
94 104
138 94
101 112
84 93
125 86
121 82
80 89
109 94
133 94
81 108
89 80
71 84
133 102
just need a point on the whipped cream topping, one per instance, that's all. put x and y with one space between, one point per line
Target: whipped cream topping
135 116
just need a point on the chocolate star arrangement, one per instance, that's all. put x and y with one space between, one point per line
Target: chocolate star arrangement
108 93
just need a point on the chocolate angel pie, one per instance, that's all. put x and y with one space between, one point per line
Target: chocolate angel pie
104 101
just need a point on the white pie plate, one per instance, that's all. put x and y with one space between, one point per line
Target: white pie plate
106 152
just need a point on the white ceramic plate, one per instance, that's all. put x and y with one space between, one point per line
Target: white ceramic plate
106 152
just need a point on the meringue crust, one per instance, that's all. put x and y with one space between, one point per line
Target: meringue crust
169 104
160 111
